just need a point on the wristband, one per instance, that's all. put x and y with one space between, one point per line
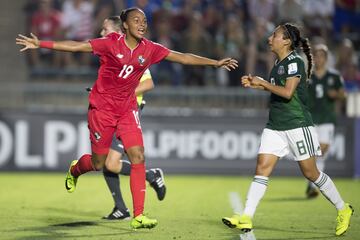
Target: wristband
47 44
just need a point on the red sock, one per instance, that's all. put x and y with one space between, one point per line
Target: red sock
84 165
138 187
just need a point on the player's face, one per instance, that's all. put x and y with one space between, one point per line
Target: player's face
107 27
136 24
320 58
276 40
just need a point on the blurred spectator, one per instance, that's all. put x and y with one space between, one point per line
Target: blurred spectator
234 28
347 61
259 58
149 7
45 24
262 10
196 40
231 42
211 19
77 23
347 18
103 9
166 72
318 16
290 11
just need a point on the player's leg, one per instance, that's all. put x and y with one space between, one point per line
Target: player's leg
325 133
273 146
120 211
129 131
100 137
115 164
306 146
329 190
85 164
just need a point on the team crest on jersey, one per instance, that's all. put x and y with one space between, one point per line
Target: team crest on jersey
141 60
97 136
331 81
281 70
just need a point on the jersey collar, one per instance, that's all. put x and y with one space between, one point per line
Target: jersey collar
277 60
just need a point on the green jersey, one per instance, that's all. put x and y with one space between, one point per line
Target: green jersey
294 113
322 107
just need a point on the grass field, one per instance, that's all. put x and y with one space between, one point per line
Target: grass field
36 206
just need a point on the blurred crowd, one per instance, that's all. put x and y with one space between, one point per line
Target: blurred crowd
216 29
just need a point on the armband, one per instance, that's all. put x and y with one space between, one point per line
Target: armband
47 44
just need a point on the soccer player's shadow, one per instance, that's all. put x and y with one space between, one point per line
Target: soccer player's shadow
63 227
286 199
317 234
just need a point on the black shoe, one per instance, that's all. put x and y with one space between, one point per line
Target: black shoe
117 214
159 183
311 192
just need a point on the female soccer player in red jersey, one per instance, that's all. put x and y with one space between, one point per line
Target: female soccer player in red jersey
112 102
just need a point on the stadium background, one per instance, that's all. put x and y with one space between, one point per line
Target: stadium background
197 120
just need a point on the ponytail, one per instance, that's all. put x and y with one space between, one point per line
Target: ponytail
305 46
292 32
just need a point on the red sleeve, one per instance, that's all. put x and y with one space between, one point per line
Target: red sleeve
159 53
100 45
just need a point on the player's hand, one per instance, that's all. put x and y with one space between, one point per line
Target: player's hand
332 94
249 81
256 81
227 63
28 42
245 81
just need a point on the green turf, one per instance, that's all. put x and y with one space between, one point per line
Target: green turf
36 206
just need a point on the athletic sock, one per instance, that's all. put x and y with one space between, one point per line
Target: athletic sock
113 183
126 168
329 190
138 188
256 192
84 165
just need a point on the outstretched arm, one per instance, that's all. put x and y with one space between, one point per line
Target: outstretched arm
192 59
68 46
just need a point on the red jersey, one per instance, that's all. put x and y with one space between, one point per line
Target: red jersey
121 69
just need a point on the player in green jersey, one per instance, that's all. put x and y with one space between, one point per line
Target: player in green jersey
289 128
326 86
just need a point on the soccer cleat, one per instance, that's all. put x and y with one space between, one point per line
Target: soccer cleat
242 222
311 192
245 223
142 221
118 214
231 222
70 180
159 183
343 219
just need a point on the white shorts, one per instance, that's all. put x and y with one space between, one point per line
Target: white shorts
325 132
300 142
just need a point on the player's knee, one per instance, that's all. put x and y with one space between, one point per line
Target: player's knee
108 165
311 175
112 165
98 164
263 169
137 157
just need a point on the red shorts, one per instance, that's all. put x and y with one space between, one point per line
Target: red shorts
103 124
